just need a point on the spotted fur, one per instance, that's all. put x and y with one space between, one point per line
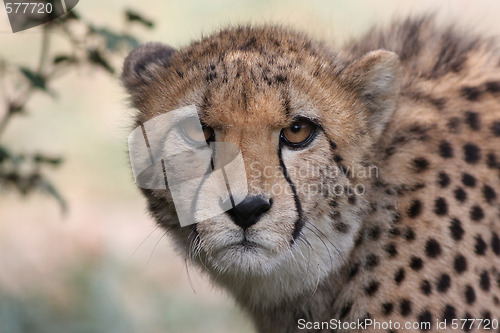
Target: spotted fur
418 101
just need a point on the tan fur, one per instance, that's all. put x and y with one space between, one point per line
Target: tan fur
336 257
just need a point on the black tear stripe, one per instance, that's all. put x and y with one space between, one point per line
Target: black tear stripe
299 223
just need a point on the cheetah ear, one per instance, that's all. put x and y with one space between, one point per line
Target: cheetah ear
375 78
142 63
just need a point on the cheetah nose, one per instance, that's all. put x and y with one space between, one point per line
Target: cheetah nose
249 211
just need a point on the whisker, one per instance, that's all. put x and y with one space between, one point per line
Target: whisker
329 241
189 276
154 248
309 248
322 241
143 241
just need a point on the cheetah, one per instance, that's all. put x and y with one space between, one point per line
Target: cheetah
387 156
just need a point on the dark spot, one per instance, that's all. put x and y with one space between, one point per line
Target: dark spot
484 281
352 199
495 128
470 294
345 310
211 76
486 315
444 283
394 232
443 179
341 227
251 44
417 187
337 158
420 164
353 271
440 207
432 248
468 180
457 232
180 74
409 234
415 208
399 276
333 145
467 322
472 153
480 247
460 264
405 307
359 239
471 93
454 124
425 317
280 78
495 243
387 308
489 193
372 288
374 233
391 250
460 194
445 149
491 161
493 86
476 213
472 119
416 263
449 313
371 261
426 287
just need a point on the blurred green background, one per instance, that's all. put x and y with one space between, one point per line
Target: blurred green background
103 266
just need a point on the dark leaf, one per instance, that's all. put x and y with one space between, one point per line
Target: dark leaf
63 58
114 40
36 80
46 186
96 58
133 16
131 41
4 154
38 158
15 108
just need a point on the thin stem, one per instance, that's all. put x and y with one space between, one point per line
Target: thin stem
44 51
23 99
5 119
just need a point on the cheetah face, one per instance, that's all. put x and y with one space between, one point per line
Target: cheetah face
304 128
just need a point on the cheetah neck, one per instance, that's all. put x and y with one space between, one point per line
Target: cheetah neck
342 294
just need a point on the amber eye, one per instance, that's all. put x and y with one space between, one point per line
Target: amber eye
299 134
191 132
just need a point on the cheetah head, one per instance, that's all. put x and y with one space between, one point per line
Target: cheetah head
305 122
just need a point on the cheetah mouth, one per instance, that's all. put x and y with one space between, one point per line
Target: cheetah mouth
244 247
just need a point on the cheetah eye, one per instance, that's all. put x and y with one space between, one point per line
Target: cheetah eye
299 134
191 132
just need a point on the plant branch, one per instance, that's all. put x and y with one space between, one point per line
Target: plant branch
14 106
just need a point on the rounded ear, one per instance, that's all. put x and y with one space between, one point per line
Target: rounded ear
375 78
140 65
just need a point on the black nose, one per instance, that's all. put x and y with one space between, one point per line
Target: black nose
248 212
